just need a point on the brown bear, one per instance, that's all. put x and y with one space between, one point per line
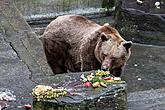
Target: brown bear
74 43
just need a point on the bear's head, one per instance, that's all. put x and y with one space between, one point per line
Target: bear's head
112 51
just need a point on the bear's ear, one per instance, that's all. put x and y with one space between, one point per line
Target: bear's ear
127 45
106 24
103 37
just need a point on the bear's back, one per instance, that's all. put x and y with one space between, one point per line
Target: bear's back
72 28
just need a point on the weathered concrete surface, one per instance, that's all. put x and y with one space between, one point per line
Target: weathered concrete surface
147 100
145 69
20 36
21 54
14 75
139 26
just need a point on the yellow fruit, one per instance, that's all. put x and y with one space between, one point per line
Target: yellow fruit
96 84
103 84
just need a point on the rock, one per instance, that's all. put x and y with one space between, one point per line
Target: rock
114 96
138 26
148 6
23 41
21 55
14 75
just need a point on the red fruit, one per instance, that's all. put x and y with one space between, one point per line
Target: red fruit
87 84
108 78
27 106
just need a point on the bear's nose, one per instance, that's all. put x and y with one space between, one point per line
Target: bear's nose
104 68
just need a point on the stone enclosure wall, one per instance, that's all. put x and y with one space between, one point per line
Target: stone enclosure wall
35 7
39 13
43 11
142 23
139 22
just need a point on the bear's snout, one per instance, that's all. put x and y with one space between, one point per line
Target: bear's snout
106 64
104 68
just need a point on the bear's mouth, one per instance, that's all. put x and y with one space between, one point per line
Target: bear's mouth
116 72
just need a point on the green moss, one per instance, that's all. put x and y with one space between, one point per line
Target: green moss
128 29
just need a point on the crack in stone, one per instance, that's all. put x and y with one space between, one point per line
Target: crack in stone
11 45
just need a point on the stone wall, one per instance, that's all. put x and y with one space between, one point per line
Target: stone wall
34 7
42 11
141 23
19 35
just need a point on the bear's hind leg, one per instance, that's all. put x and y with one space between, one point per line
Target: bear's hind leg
57 66
55 51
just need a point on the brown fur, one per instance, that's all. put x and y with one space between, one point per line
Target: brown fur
74 43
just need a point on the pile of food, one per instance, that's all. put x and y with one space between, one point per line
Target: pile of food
95 79
99 79
47 92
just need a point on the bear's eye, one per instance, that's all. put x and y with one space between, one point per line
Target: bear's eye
123 58
105 55
113 59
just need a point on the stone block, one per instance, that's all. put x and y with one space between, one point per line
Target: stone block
114 97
